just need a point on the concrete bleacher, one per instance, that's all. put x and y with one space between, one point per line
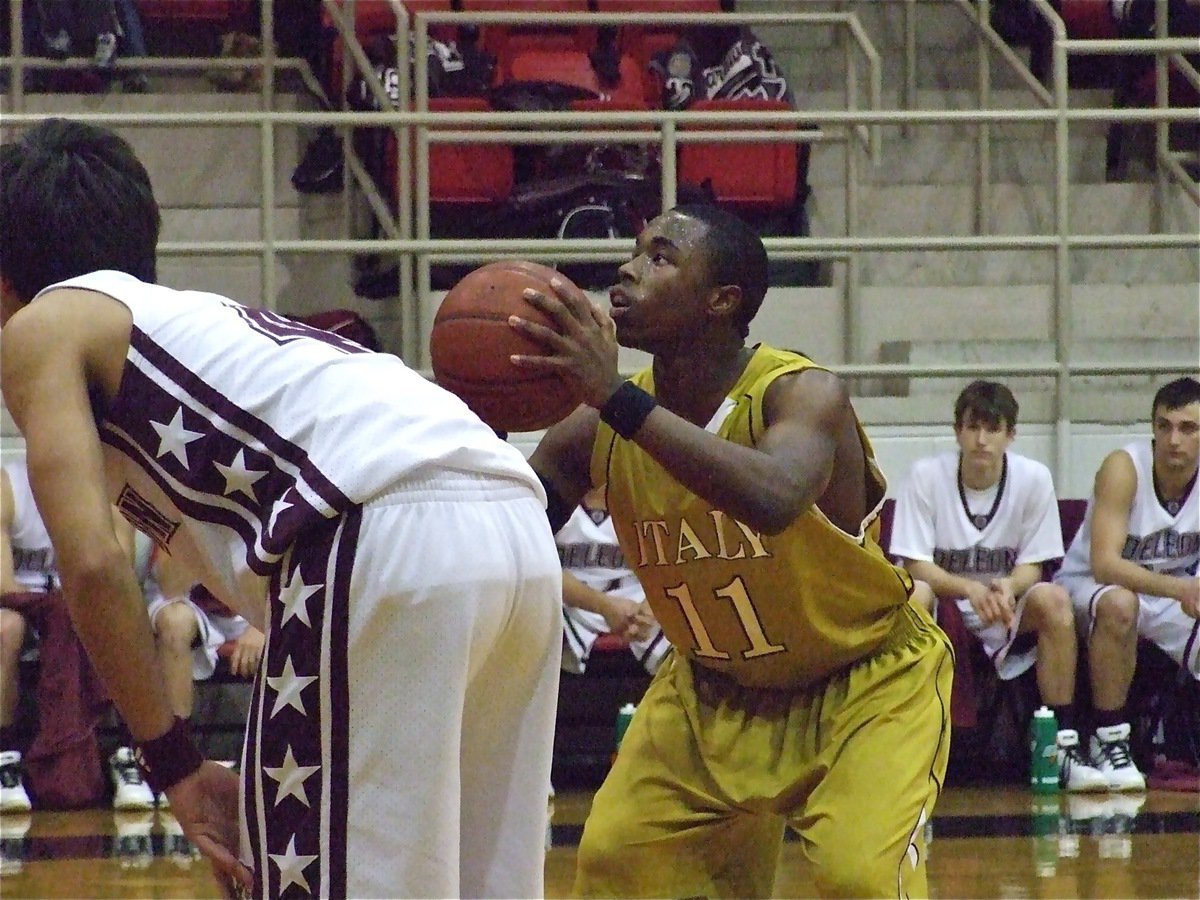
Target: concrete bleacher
938 305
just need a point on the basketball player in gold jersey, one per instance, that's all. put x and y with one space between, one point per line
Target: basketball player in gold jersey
805 691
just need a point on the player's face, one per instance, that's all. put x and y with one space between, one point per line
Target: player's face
983 443
658 300
1177 439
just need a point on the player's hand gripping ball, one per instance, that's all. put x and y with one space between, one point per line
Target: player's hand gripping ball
472 342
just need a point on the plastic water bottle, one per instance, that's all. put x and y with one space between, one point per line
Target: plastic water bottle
1043 752
624 717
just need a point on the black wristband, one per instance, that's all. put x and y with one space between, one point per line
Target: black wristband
557 509
626 409
169 758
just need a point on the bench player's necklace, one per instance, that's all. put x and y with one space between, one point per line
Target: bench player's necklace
981 520
1175 504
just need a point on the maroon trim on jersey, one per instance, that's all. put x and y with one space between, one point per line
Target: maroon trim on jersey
1190 647
324 555
339 701
252 760
283 330
275 500
275 443
160 526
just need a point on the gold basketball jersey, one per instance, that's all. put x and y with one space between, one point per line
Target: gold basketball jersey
781 610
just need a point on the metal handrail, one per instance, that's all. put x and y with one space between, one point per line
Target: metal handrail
664 128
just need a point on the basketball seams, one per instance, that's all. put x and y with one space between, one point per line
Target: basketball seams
471 345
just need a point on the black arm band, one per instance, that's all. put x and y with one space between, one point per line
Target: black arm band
169 758
557 509
626 409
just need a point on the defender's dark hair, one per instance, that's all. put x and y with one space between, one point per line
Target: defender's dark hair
735 255
989 402
1176 394
74 198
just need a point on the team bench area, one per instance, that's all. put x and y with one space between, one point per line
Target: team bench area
990 726
990 734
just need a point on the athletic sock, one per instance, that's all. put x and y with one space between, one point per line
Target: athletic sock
1065 716
1103 718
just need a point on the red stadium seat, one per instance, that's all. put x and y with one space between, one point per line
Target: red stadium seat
508 41
468 173
376 17
372 19
1087 19
464 173
573 67
644 42
761 175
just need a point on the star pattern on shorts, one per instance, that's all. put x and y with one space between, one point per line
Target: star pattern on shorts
295 596
288 687
291 778
277 509
291 867
173 438
239 477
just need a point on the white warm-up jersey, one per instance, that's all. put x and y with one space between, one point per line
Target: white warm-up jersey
33 556
1158 539
588 549
935 523
235 429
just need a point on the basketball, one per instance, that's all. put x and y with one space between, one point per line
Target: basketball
471 343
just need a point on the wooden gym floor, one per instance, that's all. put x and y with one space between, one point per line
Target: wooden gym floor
988 843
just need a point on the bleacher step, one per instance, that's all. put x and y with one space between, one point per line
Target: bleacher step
215 165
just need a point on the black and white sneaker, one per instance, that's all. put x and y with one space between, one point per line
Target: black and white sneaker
13 797
130 791
1074 771
1111 756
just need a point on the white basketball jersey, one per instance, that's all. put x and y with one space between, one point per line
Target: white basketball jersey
33 556
936 523
588 549
235 429
1158 539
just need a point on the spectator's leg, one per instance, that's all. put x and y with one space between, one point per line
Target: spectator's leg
54 21
102 22
298 33
1125 76
94 16
133 43
176 630
133 38
12 638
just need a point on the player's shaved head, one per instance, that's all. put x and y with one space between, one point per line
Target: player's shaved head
735 255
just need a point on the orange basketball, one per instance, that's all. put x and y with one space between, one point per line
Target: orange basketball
471 343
